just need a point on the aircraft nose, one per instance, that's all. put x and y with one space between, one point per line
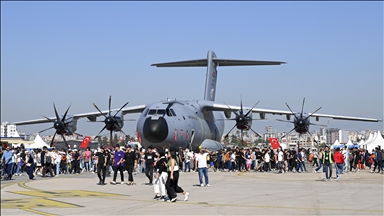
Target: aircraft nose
155 131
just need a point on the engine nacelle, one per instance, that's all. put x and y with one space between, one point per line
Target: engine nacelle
262 115
227 114
288 117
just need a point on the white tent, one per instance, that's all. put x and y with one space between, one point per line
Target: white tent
336 144
369 139
361 143
349 143
376 141
37 143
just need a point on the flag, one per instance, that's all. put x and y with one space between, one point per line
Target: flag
274 142
175 135
85 142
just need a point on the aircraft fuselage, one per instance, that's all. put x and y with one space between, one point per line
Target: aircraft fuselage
178 124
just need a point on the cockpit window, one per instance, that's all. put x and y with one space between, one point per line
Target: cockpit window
151 112
160 112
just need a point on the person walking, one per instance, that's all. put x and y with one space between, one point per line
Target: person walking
149 158
8 162
129 161
118 164
339 160
48 157
327 163
101 164
173 178
201 166
30 165
161 177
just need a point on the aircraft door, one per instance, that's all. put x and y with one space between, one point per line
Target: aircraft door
192 138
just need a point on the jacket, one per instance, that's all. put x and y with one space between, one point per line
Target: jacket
339 159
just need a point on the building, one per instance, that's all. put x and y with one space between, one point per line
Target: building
343 136
8 130
332 135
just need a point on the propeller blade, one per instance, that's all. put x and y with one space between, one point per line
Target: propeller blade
230 131
57 115
241 105
123 133
255 132
48 118
291 110
241 134
302 109
251 109
313 113
65 141
318 124
311 137
231 109
45 130
52 139
121 108
78 134
110 137
99 110
109 108
287 133
100 132
284 121
130 119
65 114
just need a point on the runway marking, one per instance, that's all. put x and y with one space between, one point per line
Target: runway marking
61 193
7 185
28 203
38 212
41 198
64 193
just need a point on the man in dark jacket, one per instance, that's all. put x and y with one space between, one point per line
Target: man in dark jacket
378 160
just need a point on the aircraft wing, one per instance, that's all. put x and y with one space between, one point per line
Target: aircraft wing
220 62
91 115
224 107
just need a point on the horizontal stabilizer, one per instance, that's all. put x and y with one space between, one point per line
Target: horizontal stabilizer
219 62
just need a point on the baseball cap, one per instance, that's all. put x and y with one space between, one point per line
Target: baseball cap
117 145
102 147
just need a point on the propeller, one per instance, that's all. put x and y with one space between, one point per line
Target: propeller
59 125
300 122
110 121
242 120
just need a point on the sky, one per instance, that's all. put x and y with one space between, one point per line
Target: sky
80 53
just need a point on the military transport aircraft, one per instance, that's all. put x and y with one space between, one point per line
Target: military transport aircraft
190 123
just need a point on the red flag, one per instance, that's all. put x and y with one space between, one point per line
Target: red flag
274 142
175 135
85 142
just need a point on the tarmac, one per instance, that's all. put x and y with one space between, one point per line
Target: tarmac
231 193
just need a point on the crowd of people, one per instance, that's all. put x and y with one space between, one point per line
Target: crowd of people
162 166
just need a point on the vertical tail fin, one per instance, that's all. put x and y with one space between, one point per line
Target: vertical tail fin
211 78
